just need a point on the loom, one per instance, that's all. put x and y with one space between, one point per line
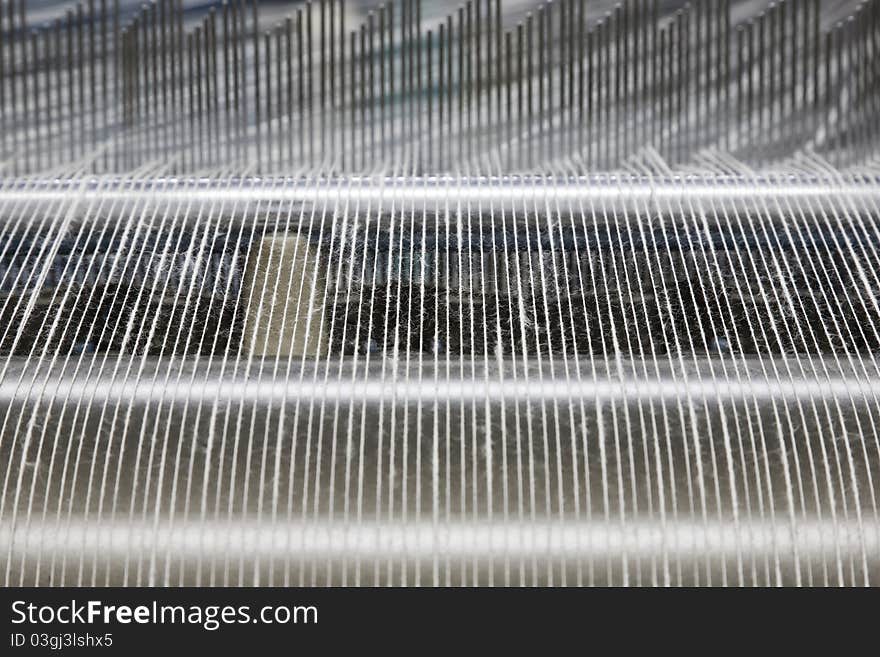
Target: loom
327 293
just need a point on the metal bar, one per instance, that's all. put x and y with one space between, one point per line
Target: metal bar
208 386
602 193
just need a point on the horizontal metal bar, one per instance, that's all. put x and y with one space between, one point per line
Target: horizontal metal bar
323 539
338 381
599 193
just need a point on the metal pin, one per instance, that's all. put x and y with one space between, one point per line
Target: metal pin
163 65
699 48
841 134
35 55
4 119
13 94
519 92
589 120
201 84
92 77
144 89
331 46
672 108
661 137
772 95
54 59
382 136
541 68
726 65
353 100
371 55
716 67
182 83
71 110
740 51
123 146
406 108
604 92
461 84
310 70
26 115
492 81
568 135
169 99
341 108
582 52
301 84
685 92
793 71
621 80
387 50
763 77
477 46
750 78
449 86
322 61
811 70
499 57
441 89
178 75
655 45
418 22
529 94
267 40
429 44
406 124
199 78
508 48
707 44
616 71
279 92
410 73
154 71
828 88
640 77
236 93
208 77
547 111
214 96
138 48
240 77
288 43
562 37
779 48
363 103
236 80
681 87
193 109
227 85
257 113
875 73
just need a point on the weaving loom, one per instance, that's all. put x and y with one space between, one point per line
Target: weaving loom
314 293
